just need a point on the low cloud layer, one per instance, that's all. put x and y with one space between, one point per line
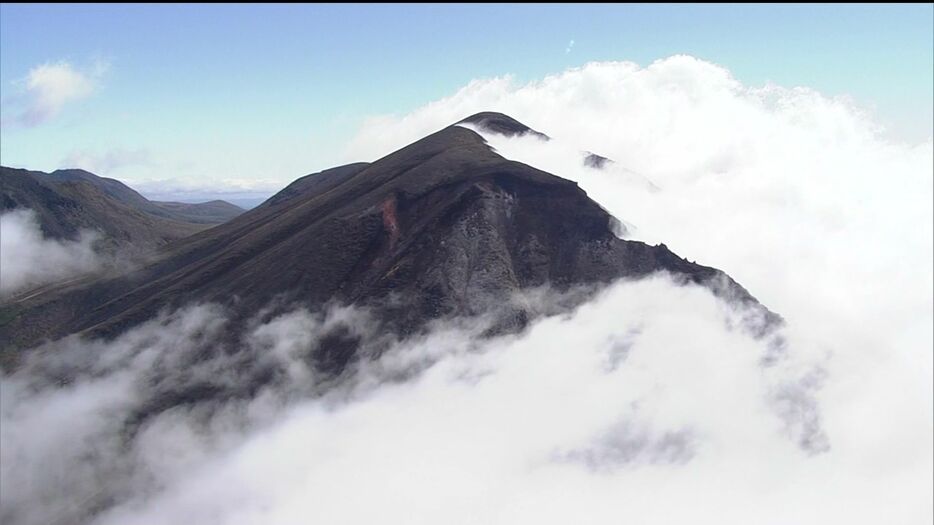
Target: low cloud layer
28 259
650 384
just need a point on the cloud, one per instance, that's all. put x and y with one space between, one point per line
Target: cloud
801 198
109 161
570 46
226 188
464 421
649 400
50 87
27 259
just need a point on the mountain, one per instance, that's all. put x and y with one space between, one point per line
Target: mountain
213 212
502 124
65 207
442 227
67 201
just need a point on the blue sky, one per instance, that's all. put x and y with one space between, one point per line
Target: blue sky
281 87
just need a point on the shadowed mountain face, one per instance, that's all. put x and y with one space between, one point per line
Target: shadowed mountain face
442 227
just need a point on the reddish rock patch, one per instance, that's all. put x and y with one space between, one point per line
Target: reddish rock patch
390 220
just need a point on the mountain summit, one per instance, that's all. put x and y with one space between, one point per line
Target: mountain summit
442 227
502 124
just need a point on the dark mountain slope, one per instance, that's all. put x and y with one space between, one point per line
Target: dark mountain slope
112 187
314 184
444 226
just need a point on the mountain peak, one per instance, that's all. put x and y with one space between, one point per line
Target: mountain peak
442 227
502 124
74 172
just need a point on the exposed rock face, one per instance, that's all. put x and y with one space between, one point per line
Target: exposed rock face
442 227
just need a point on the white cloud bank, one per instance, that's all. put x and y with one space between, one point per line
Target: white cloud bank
48 88
795 195
644 405
642 396
28 259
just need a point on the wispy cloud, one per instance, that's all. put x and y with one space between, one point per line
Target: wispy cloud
48 88
29 259
570 47
108 161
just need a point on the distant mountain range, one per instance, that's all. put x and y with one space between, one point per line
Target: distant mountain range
442 227
67 201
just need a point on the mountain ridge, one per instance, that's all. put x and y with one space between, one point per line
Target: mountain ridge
64 207
211 212
444 227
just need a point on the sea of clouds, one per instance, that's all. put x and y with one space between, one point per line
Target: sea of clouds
649 403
